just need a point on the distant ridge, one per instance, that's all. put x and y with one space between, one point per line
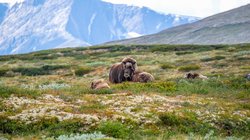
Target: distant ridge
231 27
45 24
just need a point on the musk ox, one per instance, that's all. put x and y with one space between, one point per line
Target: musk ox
248 76
194 76
116 74
142 77
99 84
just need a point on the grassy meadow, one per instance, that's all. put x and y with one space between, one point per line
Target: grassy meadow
47 95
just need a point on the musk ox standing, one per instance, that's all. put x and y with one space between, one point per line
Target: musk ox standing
116 74
142 77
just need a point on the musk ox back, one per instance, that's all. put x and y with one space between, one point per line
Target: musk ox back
99 84
143 77
194 76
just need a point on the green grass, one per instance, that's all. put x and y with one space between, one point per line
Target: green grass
171 107
189 67
167 66
3 71
51 126
162 87
213 58
184 124
114 129
83 70
7 91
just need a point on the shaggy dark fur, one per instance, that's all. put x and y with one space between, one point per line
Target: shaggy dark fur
248 76
116 74
194 76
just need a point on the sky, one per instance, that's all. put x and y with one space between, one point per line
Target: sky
198 8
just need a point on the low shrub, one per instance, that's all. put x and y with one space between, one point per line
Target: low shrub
233 125
186 123
81 56
86 90
34 71
31 71
167 66
3 71
91 136
51 126
237 83
213 58
219 87
54 67
220 65
6 91
147 87
184 52
96 64
114 129
189 67
54 86
91 107
243 58
83 70
242 53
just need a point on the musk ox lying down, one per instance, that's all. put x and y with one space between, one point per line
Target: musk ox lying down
99 84
194 76
138 76
142 77
116 74
248 76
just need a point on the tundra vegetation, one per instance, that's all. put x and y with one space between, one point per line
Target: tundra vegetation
47 95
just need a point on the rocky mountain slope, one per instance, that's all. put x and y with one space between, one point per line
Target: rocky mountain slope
44 24
231 27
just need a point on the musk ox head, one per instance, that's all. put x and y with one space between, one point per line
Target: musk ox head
129 63
128 74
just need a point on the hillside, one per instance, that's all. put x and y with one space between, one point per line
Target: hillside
231 27
45 24
47 95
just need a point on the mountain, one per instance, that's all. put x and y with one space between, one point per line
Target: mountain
231 27
3 9
44 24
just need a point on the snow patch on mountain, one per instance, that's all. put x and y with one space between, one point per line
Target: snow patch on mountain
90 24
132 35
34 25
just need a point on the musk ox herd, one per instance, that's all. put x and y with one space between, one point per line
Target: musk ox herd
126 71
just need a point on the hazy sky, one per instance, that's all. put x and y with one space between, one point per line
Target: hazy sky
199 8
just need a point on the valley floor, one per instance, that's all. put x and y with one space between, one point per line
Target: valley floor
47 95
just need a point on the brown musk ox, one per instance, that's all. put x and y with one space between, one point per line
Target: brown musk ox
99 84
194 76
142 77
248 76
116 74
